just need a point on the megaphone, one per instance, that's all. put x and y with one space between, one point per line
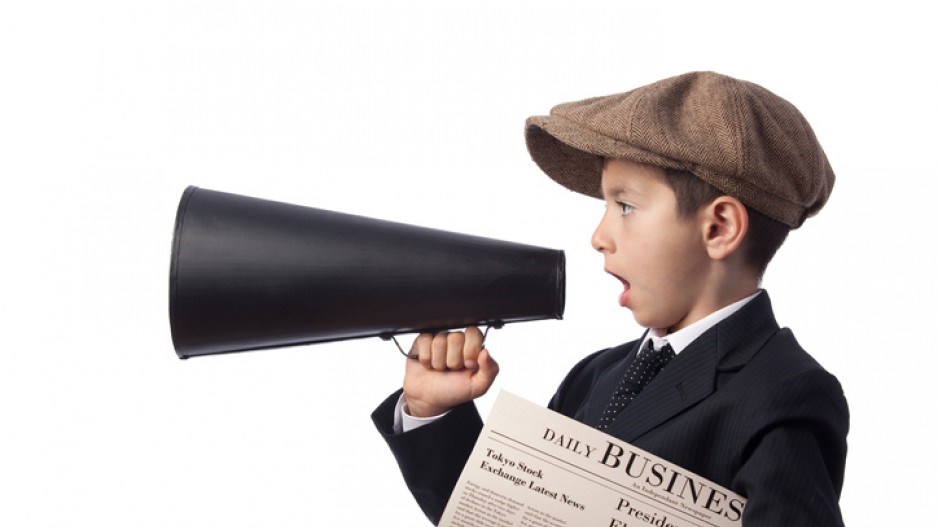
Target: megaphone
248 274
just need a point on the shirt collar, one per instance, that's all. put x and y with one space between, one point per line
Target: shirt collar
681 338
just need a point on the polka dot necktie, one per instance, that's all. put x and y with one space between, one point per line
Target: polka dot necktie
642 370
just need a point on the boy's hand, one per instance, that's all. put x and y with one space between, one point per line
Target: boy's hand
453 368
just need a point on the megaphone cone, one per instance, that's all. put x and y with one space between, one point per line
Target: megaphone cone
248 274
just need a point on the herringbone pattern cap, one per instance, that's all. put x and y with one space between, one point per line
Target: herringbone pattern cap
733 134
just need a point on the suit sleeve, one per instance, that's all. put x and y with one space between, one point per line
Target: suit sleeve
431 457
793 471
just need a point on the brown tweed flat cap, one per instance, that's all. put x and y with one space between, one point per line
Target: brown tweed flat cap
733 134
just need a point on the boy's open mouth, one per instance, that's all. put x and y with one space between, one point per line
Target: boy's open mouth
624 295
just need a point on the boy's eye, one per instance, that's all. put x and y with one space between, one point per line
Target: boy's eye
626 208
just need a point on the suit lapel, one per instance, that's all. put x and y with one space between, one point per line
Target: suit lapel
692 375
605 385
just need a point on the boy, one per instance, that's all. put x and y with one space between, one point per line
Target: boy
703 175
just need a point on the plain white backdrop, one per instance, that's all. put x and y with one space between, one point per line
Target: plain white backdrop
409 111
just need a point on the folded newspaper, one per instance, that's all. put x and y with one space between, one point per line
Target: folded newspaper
533 467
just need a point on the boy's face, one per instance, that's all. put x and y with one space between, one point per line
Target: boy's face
658 256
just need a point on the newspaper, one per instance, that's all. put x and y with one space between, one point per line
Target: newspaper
533 467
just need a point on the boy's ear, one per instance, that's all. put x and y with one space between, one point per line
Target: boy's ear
725 222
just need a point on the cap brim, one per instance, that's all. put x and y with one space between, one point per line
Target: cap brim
573 155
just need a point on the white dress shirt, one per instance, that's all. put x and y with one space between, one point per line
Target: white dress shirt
682 338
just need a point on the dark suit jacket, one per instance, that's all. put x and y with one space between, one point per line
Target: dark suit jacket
743 405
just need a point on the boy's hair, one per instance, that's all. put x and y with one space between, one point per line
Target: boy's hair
764 235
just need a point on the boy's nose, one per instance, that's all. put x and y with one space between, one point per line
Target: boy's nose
600 240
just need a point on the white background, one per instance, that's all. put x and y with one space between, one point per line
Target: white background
409 111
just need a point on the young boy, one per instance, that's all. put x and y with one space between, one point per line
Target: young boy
703 175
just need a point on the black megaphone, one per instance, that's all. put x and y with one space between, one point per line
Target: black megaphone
249 274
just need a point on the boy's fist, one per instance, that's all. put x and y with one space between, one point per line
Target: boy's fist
453 368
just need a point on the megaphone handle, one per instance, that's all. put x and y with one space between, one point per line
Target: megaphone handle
497 325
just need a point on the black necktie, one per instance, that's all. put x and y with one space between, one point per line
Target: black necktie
642 370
